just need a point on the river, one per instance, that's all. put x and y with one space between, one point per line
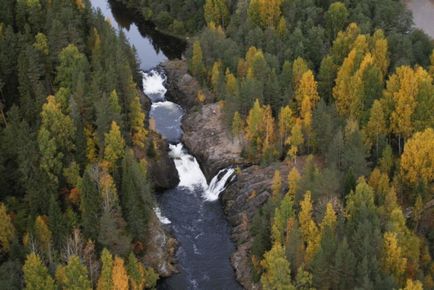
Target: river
423 14
191 211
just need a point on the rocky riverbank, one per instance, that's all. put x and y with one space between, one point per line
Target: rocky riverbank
207 137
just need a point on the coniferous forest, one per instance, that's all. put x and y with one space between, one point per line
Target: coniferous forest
341 91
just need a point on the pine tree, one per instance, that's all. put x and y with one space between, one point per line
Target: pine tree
277 274
36 276
119 274
137 121
7 230
136 272
90 204
136 196
56 222
76 275
376 126
336 18
105 277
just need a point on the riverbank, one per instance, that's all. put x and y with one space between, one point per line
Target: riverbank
210 141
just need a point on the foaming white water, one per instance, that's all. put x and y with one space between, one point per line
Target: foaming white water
218 184
190 174
164 220
153 85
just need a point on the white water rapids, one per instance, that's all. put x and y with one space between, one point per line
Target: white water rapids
167 116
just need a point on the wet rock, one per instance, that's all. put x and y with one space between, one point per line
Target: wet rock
160 249
207 138
162 169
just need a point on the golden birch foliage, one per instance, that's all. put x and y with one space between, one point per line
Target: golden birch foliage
293 179
343 42
231 84
299 67
216 74
307 88
197 66
417 160
329 219
282 27
265 13
277 273
380 51
376 125
216 11
114 145
404 101
276 185
76 275
42 233
254 123
105 281
412 285
7 230
342 90
296 139
308 227
119 275
286 121
269 138
393 261
36 276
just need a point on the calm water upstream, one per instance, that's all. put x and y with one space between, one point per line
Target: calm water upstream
191 210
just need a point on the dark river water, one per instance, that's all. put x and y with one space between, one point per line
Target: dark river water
191 211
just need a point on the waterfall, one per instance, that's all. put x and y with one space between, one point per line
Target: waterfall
218 184
153 85
167 116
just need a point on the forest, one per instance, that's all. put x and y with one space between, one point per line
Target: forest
342 91
72 138
347 89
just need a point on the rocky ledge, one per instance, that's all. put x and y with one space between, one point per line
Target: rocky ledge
206 136
241 200
160 249
182 88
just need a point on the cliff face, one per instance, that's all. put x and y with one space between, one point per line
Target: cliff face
206 136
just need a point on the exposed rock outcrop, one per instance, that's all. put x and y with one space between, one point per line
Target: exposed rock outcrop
241 200
207 138
182 88
160 249
162 171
